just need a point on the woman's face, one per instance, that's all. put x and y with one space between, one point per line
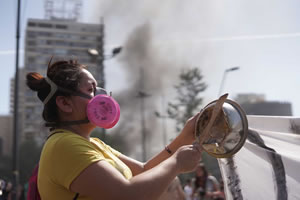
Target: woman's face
87 85
199 171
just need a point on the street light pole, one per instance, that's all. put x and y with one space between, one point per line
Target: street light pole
15 123
163 118
99 55
100 68
224 76
142 95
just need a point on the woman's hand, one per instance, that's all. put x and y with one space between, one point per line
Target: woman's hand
188 157
188 130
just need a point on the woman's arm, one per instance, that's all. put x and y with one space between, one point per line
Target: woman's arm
186 137
102 181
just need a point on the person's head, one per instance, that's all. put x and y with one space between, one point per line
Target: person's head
189 181
9 186
62 104
201 170
201 176
2 184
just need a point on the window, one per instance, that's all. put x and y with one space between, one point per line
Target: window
61 43
61 35
31 59
47 34
31 43
32 67
31 24
31 49
44 25
42 42
31 34
60 51
49 42
61 26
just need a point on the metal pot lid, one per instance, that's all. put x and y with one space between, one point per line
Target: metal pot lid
228 132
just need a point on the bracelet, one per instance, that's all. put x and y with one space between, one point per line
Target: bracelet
168 150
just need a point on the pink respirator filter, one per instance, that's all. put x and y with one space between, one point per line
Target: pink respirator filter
103 111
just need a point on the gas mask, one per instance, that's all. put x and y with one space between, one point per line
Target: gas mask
102 109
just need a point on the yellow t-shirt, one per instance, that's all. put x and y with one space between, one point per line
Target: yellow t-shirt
63 158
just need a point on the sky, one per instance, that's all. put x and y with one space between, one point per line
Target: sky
262 37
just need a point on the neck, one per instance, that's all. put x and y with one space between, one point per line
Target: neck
83 130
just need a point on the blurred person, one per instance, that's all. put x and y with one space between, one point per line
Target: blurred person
20 192
174 191
2 187
25 189
220 195
7 192
74 165
206 186
188 190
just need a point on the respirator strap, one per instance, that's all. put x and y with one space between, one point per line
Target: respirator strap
66 123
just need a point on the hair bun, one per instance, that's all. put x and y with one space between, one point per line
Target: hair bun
37 82
34 81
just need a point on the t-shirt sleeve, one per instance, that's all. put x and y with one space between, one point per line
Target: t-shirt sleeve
72 155
115 152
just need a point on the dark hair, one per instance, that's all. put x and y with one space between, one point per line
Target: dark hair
201 180
65 74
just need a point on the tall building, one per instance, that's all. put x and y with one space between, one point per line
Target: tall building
62 39
21 98
6 135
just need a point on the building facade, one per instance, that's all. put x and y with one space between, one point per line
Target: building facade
6 135
255 104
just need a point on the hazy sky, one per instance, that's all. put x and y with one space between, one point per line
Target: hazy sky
260 36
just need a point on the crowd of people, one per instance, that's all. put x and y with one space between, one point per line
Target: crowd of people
6 190
202 186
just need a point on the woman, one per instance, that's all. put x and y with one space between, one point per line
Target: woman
73 164
205 186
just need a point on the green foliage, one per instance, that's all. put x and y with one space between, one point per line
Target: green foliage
187 104
188 99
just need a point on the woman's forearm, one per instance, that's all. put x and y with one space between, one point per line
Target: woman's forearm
139 167
163 155
151 184
185 137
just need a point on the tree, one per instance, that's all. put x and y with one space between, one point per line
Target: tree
188 97
187 104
